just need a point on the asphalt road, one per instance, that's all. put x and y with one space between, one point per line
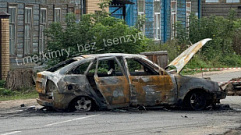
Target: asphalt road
149 122
225 76
162 121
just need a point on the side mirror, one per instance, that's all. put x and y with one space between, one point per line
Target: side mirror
161 72
171 69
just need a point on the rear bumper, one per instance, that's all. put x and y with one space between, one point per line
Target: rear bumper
57 101
45 102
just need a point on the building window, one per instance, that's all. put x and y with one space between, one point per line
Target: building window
83 7
188 12
173 17
141 13
42 23
28 28
57 14
141 6
157 20
211 1
71 10
12 10
232 1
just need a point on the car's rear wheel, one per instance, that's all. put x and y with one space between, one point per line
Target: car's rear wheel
197 101
82 104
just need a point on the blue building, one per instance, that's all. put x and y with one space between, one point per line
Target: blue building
161 15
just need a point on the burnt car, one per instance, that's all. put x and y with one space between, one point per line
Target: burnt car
116 80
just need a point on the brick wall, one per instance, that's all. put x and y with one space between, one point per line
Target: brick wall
92 6
4 29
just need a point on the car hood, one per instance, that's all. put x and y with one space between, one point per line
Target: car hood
180 61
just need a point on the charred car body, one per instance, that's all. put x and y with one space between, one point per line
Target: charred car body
117 80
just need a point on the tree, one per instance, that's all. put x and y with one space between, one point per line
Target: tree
94 33
224 33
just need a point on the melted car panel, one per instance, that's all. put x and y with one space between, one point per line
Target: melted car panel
116 80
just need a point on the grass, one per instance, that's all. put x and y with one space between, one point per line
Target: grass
24 93
6 94
203 59
198 62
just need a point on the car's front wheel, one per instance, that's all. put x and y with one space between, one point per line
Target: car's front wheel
197 101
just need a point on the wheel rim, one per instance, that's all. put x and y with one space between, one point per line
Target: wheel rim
197 101
83 104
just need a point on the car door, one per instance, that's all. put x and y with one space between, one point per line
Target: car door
112 82
151 87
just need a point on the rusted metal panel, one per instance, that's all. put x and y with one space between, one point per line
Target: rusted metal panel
152 90
185 56
40 83
114 89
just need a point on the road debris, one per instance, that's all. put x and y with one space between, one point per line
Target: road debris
233 87
184 116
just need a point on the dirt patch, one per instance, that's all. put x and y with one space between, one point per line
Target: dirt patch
17 103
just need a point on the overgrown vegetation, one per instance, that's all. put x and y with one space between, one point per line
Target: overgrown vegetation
223 51
2 83
101 33
94 33
6 94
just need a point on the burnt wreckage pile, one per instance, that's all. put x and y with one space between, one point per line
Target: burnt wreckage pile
233 87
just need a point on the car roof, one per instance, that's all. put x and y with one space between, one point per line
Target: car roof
108 55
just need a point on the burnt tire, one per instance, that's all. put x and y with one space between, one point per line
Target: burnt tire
197 101
81 104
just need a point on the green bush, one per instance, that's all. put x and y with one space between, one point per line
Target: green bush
172 47
2 83
197 61
6 92
94 33
231 60
221 51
